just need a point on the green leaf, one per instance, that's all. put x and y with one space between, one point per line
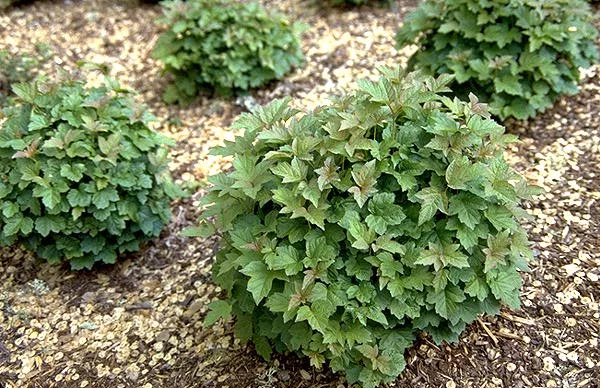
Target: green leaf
261 279
505 285
500 217
459 173
432 200
365 178
498 247
384 212
327 174
441 256
218 309
294 172
316 315
477 288
104 197
46 224
447 302
467 207
73 172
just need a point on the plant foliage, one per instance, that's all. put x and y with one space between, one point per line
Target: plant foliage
20 68
518 55
347 230
82 177
224 45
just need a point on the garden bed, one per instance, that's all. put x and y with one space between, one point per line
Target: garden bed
139 323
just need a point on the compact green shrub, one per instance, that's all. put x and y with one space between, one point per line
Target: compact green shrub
518 55
224 45
347 230
20 68
82 177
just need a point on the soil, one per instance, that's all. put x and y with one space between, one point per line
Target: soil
139 323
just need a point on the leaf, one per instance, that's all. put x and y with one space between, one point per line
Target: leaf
384 212
459 173
447 302
294 172
218 309
327 174
262 347
365 178
432 200
360 232
46 224
261 279
498 247
73 172
500 217
467 207
104 197
505 285
287 258
316 316
477 288
441 256
79 198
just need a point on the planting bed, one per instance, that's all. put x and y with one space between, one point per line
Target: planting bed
139 323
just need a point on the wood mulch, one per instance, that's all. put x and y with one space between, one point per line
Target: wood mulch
139 323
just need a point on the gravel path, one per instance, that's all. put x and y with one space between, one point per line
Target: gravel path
139 323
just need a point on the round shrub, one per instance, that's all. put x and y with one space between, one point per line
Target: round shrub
224 45
519 56
82 177
348 230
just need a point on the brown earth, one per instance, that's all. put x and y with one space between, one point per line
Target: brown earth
139 323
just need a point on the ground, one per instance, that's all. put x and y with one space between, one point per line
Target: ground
139 323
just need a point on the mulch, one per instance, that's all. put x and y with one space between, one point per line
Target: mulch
139 323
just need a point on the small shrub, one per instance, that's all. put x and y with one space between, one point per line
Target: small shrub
519 56
224 45
82 177
20 68
347 230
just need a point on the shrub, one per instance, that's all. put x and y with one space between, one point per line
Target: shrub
347 230
20 68
519 56
224 45
82 177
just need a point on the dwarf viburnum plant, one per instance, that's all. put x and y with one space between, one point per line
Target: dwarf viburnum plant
224 45
347 230
518 55
82 177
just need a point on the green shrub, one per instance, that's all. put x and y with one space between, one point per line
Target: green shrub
224 45
82 177
20 68
518 55
347 230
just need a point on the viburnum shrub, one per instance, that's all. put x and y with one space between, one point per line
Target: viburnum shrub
347 230
224 45
518 55
82 176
